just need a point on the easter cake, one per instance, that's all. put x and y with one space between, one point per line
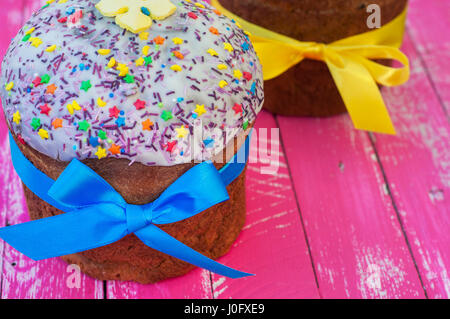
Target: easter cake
139 91
307 89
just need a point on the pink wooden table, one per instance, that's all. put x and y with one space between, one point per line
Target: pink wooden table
348 215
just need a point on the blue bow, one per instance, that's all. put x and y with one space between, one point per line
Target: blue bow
97 215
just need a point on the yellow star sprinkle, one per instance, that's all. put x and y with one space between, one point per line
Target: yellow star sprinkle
212 52
177 41
16 117
100 102
143 36
223 84
73 107
43 133
176 67
145 50
136 15
9 86
111 63
122 68
103 51
200 109
237 74
198 4
140 61
51 48
36 42
228 47
222 67
101 152
62 1
181 132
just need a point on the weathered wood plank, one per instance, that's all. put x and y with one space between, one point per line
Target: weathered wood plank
25 278
417 164
194 285
427 24
12 22
272 245
282 264
356 241
21 276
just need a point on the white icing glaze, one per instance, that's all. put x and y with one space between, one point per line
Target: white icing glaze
76 59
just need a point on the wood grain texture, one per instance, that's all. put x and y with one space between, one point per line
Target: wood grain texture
272 245
14 19
356 240
417 166
21 276
375 209
428 23
24 278
282 265
195 285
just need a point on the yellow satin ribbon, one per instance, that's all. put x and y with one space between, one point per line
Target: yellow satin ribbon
349 62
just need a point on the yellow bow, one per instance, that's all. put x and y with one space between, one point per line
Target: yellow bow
349 62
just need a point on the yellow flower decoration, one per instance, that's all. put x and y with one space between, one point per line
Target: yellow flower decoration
237 74
100 102
145 50
111 63
73 107
143 36
200 109
136 15
122 68
181 132
101 152
9 86
228 47
36 42
140 61
212 52
43 134
16 117
177 40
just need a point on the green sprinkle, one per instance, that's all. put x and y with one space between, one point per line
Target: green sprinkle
26 38
148 60
245 125
45 78
83 125
36 123
166 115
102 135
86 85
129 78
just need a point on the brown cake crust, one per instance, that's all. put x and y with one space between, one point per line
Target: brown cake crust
308 89
211 232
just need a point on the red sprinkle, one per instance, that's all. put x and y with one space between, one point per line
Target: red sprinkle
247 76
192 15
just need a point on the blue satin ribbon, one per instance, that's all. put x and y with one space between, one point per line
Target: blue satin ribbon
97 215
